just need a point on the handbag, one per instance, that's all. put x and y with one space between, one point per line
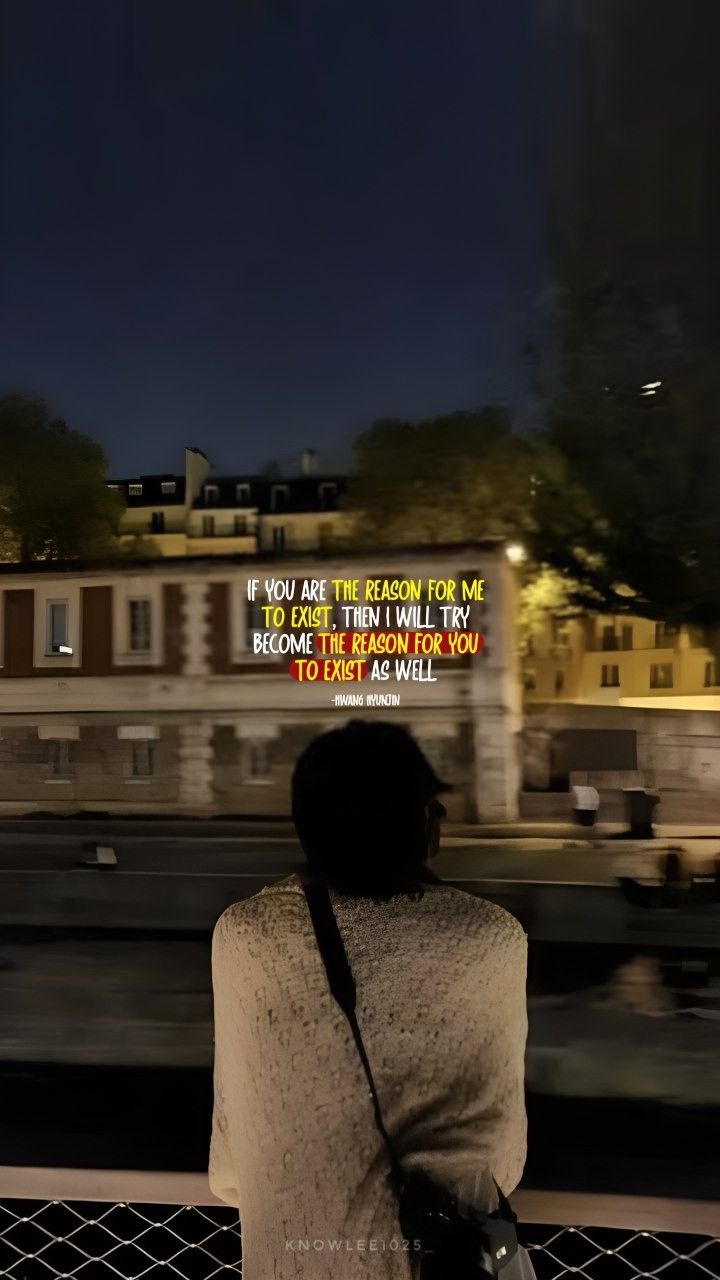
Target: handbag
447 1236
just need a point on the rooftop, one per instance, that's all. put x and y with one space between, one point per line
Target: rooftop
258 493
270 494
384 557
152 491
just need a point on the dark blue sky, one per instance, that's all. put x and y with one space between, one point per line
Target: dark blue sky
256 226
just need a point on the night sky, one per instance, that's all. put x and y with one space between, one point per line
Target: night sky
255 227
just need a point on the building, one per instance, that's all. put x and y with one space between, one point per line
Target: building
620 701
200 514
621 661
134 687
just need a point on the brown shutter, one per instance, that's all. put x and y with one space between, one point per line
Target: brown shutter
96 631
219 628
172 639
19 619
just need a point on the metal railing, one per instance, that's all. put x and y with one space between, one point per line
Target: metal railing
597 1253
40 1240
90 1240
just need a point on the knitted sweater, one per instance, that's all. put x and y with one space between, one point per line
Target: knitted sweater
441 1007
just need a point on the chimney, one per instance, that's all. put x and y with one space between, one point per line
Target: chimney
197 469
308 462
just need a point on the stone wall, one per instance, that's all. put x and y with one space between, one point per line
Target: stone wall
198 765
677 752
99 770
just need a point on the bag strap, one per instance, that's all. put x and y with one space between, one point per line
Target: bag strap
342 987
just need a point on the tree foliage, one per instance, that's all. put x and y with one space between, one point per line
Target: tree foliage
629 504
54 500
543 592
628 499
459 477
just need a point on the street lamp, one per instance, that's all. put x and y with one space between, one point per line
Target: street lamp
515 552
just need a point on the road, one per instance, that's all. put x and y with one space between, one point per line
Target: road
269 849
177 879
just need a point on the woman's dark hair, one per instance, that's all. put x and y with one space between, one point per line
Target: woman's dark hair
359 797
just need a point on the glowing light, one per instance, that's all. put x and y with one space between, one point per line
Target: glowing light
515 553
64 648
651 386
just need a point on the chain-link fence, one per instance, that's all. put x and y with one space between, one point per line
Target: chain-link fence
57 1240
598 1253
51 1240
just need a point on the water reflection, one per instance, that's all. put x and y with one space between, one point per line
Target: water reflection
637 985
649 1029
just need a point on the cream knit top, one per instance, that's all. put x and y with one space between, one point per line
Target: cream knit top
442 1011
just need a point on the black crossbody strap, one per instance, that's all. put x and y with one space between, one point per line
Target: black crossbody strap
342 987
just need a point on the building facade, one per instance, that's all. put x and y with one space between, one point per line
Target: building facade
200 514
617 702
135 688
620 661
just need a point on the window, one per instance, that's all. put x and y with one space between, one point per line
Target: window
255 620
610 677
135 490
528 680
167 486
279 497
57 627
142 759
59 758
665 633
240 526
559 681
328 495
157 522
212 493
242 493
139 625
113 486
710 674
609 639
278 537
560 633
337 617
208 527
433 616
626 636
137 622
661 675
255 760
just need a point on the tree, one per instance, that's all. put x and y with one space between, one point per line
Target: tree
543 592
54 500
629 488
457 477
627 503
